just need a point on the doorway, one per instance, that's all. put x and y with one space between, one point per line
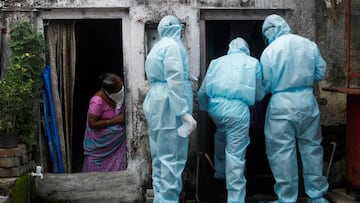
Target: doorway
218 34
98 50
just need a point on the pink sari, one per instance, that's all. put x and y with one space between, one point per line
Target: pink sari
104 149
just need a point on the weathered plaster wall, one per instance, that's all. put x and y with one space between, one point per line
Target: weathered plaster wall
330 37
355 40
309 18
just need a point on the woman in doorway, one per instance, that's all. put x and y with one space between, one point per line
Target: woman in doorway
104 140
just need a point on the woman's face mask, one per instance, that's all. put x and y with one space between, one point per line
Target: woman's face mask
117 97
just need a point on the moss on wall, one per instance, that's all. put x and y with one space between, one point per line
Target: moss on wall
23 190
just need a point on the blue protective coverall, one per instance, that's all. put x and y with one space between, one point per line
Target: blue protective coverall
169 97
291 64
226 93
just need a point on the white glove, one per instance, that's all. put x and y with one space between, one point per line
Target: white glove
188 126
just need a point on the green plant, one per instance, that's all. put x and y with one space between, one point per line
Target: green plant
21 84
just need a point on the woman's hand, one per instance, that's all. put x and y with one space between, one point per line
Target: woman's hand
96 123
119 119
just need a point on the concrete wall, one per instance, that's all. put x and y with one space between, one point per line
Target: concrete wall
312 19
330 36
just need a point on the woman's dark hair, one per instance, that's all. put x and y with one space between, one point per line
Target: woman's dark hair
110 82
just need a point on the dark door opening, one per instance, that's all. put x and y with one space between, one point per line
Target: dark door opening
219 33
98 50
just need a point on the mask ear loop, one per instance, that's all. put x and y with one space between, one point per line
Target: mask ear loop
106 93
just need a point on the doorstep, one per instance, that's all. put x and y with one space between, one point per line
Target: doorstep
339 196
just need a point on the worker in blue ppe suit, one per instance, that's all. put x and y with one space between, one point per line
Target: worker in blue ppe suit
226 93
167 106
291 65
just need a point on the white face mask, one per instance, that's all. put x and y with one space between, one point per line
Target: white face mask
118 97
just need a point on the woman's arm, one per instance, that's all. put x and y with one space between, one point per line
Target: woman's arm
95 122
